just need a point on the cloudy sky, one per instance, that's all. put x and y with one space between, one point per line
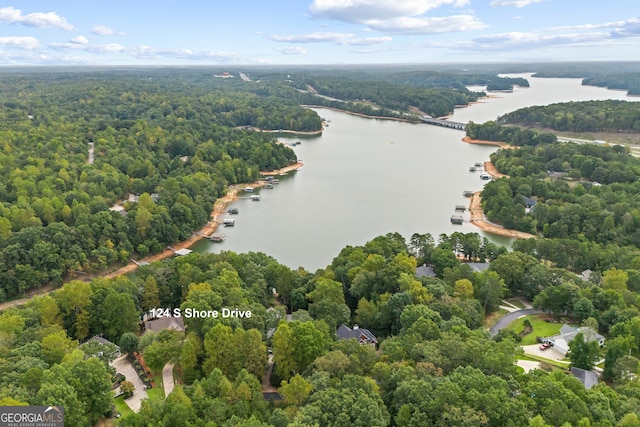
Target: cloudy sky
209 32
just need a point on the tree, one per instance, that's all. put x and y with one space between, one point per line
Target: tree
489 289
127 388
150 294
128 343
615 279
296 390
583 354
463 288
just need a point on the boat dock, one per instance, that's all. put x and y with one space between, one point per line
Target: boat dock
461 208
229 222
457 219
217 237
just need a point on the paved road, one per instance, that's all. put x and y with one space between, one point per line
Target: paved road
123 365
510 317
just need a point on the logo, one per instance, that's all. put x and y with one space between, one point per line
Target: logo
31 416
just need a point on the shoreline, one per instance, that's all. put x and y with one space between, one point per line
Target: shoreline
486 142
359 114
219 208
478 219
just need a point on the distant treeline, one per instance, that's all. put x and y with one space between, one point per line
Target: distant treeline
586 116
492 131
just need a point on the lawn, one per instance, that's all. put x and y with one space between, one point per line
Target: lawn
555 363
157 392
122 407
515 301
541 328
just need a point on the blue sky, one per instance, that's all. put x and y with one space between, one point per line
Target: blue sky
246 32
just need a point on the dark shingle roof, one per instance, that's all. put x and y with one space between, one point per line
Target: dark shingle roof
361 334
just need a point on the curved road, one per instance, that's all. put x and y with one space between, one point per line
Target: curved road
510 317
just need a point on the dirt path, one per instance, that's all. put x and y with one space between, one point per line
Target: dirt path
478 219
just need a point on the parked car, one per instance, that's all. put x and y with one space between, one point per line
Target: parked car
545 346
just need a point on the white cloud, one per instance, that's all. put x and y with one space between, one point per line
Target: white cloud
12 15
79 40
292 50
397 16
410 25
345 39
95 48
514 3
359 11
103 30
26 43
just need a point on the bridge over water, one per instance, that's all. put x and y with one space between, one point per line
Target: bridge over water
444 123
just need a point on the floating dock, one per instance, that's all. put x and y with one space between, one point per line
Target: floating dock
457 219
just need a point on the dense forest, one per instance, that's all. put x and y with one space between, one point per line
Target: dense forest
174 143
435 364
586 116
512 135
165 144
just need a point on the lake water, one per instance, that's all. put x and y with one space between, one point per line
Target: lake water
366 177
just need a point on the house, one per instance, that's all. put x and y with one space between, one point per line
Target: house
529 203
478 267
567 333
588 378
164 323
115 354
586 275
364 336
425 271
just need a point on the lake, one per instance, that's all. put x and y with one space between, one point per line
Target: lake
366 177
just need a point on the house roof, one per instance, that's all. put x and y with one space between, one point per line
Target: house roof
425 271
361 334
568 333
102 340
162 323
478 267
588 378
529 202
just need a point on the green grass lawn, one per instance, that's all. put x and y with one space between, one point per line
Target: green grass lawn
540 328
157 392
515 301
555 363
122 407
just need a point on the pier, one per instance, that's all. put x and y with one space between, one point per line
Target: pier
444 123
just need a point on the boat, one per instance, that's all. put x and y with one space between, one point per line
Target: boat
472 169
249 189
467 193
269 186
457 219
485 176
217 237
232 211
229 222
461 208
255 197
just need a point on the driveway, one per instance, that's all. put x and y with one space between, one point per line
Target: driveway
123 365
528 365
167 378
550 353
510 317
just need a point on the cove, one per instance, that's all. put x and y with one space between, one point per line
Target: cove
366 177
